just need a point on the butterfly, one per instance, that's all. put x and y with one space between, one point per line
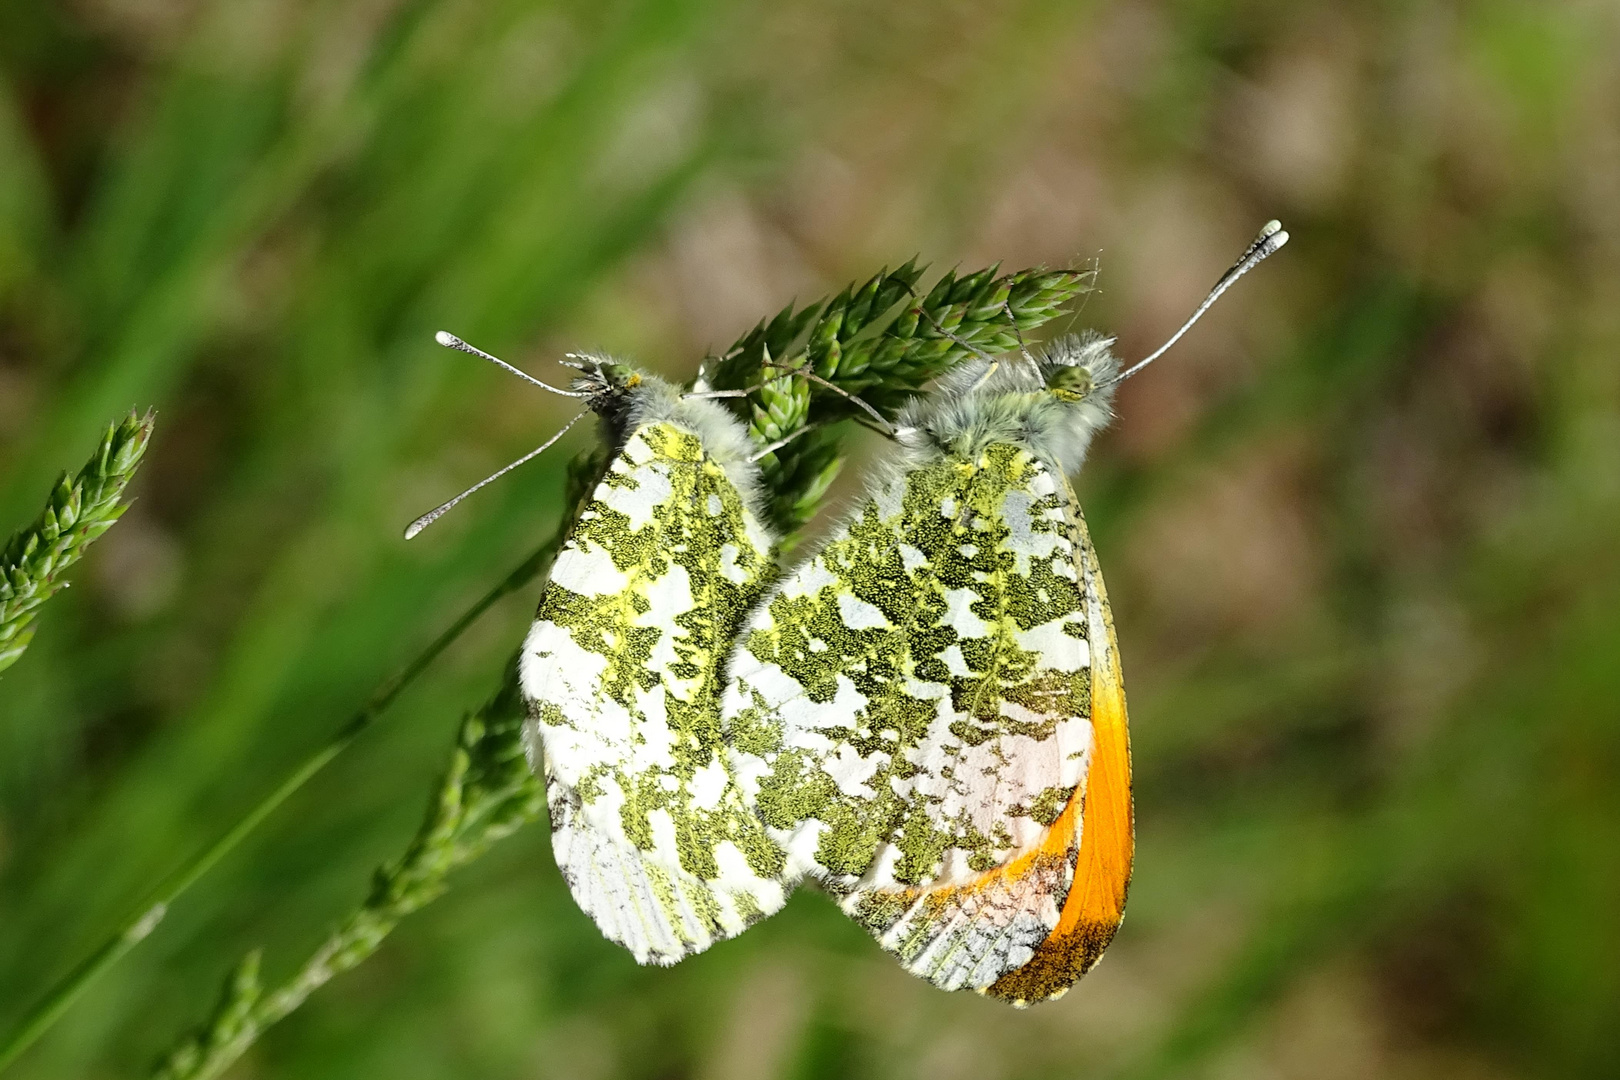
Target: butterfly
620 670
928 714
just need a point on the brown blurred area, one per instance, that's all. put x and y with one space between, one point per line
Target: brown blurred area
1361 529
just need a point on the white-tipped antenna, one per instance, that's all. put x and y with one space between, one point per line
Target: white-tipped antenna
1270 239
437 512
450 341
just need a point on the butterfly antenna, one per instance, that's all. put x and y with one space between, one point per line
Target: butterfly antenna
834 387
1018 332
450 341
705 395
437 512
779 443
994 362
1270 239
711 395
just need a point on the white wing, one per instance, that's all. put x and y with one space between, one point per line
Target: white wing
911 712
621 671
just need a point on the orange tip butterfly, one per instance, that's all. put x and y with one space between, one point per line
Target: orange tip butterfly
927 712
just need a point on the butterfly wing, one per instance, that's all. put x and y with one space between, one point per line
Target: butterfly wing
1101 808
911 713
621 670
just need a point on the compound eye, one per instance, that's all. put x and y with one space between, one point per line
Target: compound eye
1069 382
621 376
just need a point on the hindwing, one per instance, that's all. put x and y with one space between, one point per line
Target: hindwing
622 673
911 712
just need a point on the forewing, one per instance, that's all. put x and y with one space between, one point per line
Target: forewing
911 710
622 673
1102 805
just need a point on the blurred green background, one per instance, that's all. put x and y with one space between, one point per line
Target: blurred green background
1361 530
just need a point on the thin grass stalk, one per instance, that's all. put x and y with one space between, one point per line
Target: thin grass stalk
487 792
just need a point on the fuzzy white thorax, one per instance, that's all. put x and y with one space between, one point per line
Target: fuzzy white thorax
973 407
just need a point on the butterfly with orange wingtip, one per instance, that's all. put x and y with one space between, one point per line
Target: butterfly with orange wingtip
928 714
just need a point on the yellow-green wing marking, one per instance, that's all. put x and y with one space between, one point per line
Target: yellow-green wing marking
621 671
910 713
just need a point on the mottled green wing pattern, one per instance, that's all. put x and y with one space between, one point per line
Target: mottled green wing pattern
621 671
909 711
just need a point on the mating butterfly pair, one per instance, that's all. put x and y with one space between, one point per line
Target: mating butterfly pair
925 716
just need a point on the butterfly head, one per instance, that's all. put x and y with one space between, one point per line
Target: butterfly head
1079 370
1050 403
604 381
626 398
1073 399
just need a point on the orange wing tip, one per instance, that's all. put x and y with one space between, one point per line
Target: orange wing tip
1055 967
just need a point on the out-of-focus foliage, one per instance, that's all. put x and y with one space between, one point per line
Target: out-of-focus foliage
1359 528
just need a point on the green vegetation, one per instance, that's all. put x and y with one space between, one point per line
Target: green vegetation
34 562
1358 528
